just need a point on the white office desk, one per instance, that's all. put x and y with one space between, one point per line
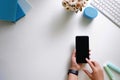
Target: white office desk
39 46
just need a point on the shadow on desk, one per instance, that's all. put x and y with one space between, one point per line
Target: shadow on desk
85 21
5 24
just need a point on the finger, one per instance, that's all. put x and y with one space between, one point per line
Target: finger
74 56
74 53
90 63
89 52
95 63
88 73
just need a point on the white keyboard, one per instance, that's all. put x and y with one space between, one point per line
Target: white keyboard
110 8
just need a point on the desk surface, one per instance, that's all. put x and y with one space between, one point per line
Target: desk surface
39 46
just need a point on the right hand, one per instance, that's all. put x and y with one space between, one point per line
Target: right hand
97 72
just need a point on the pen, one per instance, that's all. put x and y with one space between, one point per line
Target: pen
109 73
113 67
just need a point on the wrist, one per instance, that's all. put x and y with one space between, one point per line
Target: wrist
73 72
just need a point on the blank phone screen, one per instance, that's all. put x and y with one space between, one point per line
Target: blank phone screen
82 48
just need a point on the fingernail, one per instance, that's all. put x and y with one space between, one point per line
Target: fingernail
86 58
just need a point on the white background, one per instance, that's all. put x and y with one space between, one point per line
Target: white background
39 46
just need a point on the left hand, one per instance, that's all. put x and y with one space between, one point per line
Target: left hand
74 64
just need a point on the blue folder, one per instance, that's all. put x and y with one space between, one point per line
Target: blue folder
13 10
8 10
24 5
22 8
20 13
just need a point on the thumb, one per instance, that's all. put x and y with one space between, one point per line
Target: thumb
88 73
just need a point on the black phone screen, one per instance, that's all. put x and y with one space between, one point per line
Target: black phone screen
82 49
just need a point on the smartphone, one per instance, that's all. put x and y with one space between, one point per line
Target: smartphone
82 49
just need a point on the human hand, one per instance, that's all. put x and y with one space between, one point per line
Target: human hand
97 72
74 64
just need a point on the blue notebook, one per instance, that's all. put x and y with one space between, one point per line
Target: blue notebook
8 10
